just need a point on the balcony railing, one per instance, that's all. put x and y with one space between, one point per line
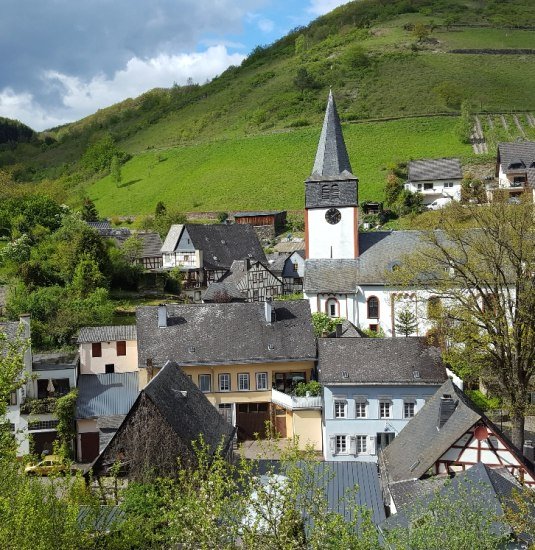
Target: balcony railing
38 406
292 402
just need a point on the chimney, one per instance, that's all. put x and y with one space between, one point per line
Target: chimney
447 407
269 312
339 330
162 316
529 450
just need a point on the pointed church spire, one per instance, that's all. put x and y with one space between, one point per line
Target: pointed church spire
331 157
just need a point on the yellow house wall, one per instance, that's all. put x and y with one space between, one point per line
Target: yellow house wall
96 365
248 396
307 426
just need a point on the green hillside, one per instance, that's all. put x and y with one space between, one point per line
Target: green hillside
247 139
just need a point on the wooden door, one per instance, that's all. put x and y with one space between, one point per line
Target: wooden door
89 443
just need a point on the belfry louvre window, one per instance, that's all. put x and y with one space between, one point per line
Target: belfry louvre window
325 192
335 191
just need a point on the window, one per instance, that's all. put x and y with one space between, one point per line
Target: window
341 444
419 187
361 409
332 307
261 381
296 267
96 349
205 382
224 382
325 194
385 408
448 184
13 398
243 381
225 410
335 191
428 186
374 327
384 439
340 408
121 347
408 409
373 307
110 369
360 444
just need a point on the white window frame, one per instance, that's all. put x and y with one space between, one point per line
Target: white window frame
337 411
205 377
359 403
388 403
341 446
242 377
259 376
224 376
361 444
406 403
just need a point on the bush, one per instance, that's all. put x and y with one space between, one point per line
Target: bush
312 387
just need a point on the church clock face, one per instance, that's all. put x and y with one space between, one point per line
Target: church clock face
333 216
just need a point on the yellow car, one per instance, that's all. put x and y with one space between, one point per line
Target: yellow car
50 465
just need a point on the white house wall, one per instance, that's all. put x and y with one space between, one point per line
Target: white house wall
97 365
331 241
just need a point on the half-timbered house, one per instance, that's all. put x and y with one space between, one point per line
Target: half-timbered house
450 434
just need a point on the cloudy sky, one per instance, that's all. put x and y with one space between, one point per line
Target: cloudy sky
64 59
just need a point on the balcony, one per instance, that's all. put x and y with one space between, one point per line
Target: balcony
293 403
39 406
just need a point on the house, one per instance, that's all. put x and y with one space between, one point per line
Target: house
245 281
266 223
168 415
372 387
515 169
450 434
482 489
206 252
107 349
435 179
30 411
105 230
151 256
290 267
239 354
103 402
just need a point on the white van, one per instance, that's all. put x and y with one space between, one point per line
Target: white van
439 203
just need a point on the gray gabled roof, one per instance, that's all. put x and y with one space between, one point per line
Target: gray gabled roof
480 487
221 244
232 333
517 157
185 408
390 361
380 252
434 169
152 245
106 394
110 333
332 159
420 444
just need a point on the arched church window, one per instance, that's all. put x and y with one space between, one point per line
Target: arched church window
325 193
332 307
335 191
373 307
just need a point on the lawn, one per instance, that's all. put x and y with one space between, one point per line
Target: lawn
267 171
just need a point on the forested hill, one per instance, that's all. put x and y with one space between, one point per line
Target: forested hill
383 59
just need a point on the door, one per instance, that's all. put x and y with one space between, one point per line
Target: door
251 420
280 421
89 443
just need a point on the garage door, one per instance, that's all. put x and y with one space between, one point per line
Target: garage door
251 419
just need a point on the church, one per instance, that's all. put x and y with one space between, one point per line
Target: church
346 271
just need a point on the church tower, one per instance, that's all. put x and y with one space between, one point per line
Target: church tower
331 196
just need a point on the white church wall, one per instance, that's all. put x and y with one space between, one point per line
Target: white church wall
331 241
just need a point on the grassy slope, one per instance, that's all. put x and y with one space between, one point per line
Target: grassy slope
223 151
267 171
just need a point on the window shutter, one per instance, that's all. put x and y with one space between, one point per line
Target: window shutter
352 445
371 445
332 443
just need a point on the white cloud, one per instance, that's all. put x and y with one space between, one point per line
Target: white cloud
82 97
266 25
320 7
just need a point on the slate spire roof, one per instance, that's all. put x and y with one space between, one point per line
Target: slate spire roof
332 159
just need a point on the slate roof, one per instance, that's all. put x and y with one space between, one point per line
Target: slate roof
224 288
191 414
276 266
106 394
232 333
289 246
522 153
221 244
392 361
420 444
108 333
380 251
484 488
152 244
332 159
434 169
54 361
